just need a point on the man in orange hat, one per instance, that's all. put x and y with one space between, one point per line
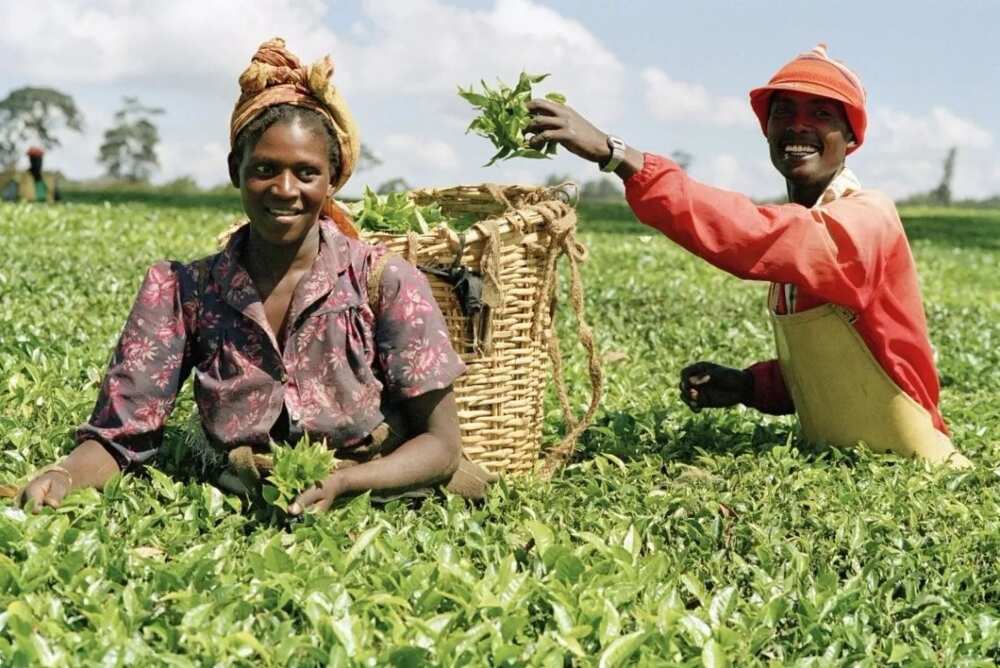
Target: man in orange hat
854 361
33 185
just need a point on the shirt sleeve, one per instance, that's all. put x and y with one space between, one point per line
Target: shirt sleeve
148 367
414 350
770 394
836 251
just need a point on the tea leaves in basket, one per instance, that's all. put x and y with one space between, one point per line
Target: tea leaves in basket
504 116
394 213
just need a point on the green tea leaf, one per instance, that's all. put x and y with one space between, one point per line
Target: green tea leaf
713 656
619 651
504 117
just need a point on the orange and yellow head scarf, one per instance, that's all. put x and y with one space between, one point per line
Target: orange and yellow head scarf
276 76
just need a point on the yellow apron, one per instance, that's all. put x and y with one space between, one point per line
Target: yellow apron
843 395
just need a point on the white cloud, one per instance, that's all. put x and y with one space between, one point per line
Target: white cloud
398 63
183 55
672 100
904 153
977 173
172 43
425 47
895 175
205 162
422 153
79 149
729 172
941 128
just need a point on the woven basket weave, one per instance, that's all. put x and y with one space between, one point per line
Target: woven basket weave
512 353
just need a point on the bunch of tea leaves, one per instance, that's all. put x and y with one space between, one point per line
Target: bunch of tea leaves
296 469
504 117
394 213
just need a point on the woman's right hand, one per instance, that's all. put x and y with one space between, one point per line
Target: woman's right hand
46 489
89 465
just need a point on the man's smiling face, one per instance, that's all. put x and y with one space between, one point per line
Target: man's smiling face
808 136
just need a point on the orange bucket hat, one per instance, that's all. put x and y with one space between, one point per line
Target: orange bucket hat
817 73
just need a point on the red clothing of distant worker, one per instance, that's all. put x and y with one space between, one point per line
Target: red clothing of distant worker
851 251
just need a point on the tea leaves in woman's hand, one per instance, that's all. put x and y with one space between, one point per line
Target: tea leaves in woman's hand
296 469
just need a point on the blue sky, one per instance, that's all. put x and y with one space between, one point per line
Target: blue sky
663 75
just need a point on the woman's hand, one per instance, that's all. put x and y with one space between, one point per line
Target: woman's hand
429 457
89 465
318 498
47 489
708 385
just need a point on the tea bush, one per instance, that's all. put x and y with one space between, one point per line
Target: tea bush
673 538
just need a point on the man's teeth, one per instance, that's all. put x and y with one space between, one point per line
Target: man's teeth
799 148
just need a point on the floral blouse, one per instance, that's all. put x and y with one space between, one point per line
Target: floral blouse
339 363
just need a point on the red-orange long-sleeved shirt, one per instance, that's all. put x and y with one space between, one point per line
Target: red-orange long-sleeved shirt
850 250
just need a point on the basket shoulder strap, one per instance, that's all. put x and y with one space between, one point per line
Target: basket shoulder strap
375 280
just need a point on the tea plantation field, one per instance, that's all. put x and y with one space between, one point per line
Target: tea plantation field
673 538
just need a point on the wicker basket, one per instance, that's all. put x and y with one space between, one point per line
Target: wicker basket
513 352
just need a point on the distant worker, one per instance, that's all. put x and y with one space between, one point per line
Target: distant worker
33 185
853 356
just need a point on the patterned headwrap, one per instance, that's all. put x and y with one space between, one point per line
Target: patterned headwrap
276 76
817 73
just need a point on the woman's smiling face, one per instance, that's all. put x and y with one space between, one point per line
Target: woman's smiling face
284 180
808 136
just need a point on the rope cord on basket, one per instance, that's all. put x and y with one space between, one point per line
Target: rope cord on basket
562 227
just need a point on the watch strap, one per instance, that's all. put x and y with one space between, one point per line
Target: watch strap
617 147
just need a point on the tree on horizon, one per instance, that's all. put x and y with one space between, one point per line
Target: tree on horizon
129 148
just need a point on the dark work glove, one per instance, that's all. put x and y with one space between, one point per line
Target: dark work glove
708 385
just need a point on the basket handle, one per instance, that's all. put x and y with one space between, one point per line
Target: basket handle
562 227
496 191
567 191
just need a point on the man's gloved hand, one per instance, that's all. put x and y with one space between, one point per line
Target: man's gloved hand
709 385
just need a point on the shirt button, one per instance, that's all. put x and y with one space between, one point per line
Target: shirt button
296 416
284 377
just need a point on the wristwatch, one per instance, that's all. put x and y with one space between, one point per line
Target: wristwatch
617 147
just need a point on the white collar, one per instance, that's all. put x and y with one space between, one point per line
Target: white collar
842 184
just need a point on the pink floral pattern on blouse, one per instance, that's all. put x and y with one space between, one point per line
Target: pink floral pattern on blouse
339 364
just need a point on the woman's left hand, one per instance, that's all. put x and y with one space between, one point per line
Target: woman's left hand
318 498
